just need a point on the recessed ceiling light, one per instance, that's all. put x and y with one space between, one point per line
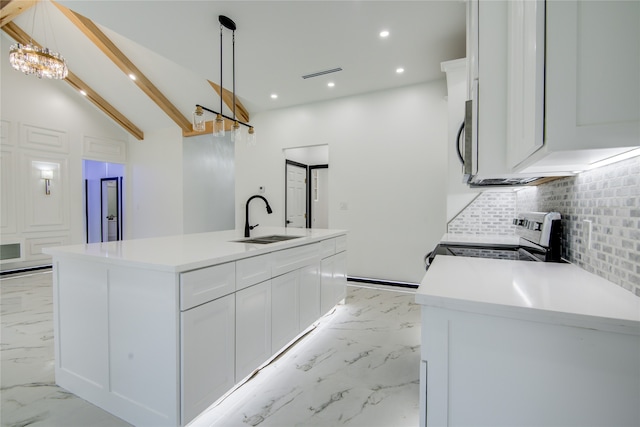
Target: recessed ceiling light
132 77
274 96
331 84
399 70
384 33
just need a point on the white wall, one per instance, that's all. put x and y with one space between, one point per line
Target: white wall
388 162
154 185
208 183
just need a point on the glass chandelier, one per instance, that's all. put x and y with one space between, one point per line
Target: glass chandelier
30 59
40 61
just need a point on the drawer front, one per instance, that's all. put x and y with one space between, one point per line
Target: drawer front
327 247
291 259
250 271
206 284
341 243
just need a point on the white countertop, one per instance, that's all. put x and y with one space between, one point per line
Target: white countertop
188 251
490 239
539 291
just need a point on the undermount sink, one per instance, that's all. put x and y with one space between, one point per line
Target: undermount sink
263 240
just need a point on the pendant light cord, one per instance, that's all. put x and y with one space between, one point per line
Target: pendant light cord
233 57
221 87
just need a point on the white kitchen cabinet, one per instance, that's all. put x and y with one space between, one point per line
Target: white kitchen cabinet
494 370
206 284
591 84
253 328
295 302
154 332
285 309
525 78
333 285
207 354
309 295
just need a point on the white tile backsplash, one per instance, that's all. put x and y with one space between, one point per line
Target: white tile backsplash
608 197
492 212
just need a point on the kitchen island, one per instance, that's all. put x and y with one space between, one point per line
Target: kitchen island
511 343
155 330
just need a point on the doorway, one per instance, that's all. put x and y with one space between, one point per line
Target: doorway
307 187
110 209
103 197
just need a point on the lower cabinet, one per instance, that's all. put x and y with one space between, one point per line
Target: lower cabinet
333 272
207 353
309 295
253 328
295 304
285 309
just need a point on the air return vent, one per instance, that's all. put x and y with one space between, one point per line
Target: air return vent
322 73
10 251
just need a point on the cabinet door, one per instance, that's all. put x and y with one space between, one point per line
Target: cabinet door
327 299
208 354
285 309
340 276
253 328
592 74
525 84
309 295
333 281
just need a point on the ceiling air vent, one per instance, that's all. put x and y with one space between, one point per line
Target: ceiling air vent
322 73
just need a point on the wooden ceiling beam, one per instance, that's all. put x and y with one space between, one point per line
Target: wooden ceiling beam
22 37
10 9
100 39
241 113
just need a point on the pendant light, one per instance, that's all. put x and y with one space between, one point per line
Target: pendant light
219 123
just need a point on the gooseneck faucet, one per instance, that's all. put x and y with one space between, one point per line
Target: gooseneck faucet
247 227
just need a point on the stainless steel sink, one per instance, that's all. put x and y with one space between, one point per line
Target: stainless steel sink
263 240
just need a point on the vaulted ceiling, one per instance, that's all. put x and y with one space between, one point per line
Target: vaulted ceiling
173 49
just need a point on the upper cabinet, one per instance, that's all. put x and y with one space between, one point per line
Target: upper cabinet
573 95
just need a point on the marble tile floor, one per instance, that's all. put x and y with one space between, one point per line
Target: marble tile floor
358 367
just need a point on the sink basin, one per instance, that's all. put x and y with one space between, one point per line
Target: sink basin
263 240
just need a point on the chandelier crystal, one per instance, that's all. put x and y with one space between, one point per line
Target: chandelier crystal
31 59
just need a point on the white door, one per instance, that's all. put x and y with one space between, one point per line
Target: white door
296 215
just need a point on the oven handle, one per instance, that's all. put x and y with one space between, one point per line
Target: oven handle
459 143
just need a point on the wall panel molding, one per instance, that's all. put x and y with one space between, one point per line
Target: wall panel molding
104 149
44 212
8 199
35 245
5 133
43 139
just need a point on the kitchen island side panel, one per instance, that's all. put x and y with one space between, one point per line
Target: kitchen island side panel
116 339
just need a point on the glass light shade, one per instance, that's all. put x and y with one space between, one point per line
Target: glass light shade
251 137
218 127
31 59
198 120
236 134
46 174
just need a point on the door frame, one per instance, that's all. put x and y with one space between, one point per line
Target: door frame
119 231
309 188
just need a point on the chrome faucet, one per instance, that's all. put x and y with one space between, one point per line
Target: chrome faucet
247 227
